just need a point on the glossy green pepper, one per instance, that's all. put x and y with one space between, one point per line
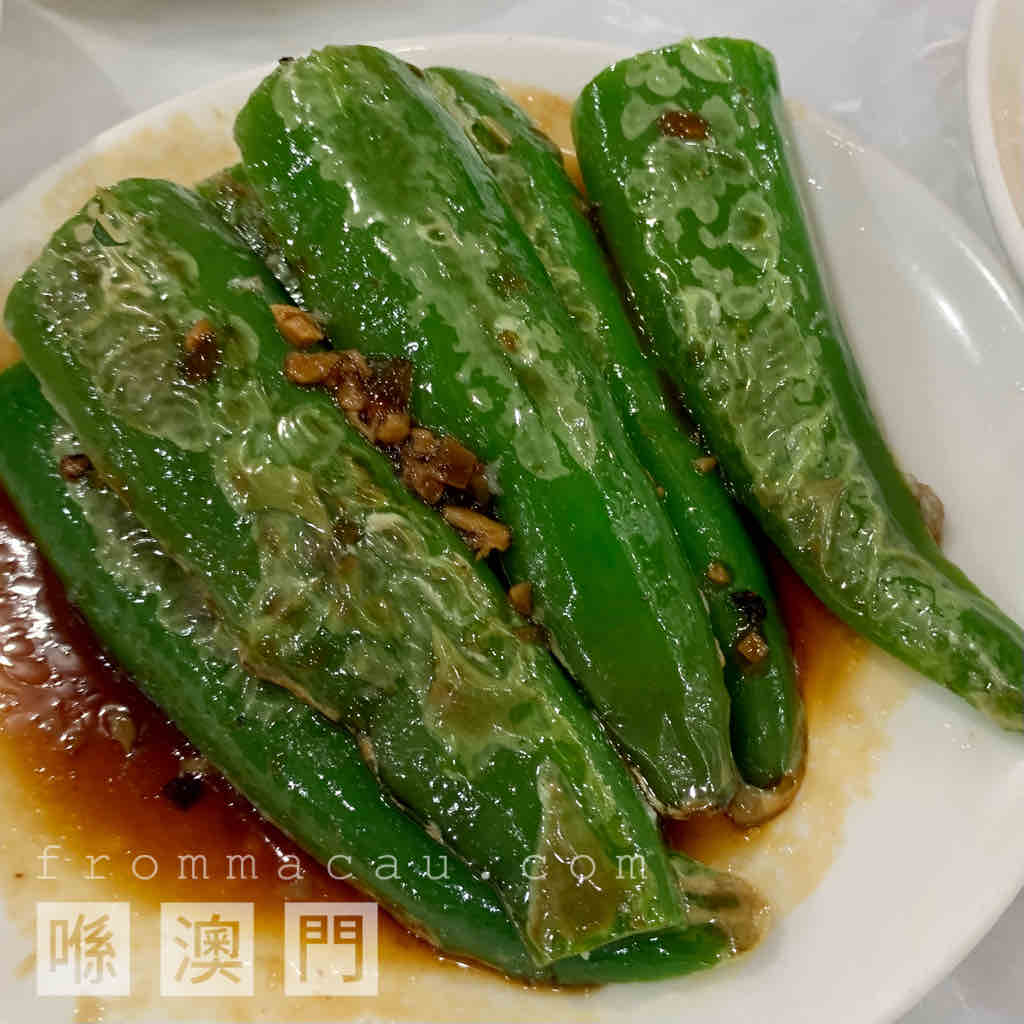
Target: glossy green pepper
766 716
148 323
303 773
232 194
766 712
684 150
403 243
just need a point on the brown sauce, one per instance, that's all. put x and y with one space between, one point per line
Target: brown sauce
65 780
551 113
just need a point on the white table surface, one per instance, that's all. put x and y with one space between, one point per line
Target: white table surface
891 70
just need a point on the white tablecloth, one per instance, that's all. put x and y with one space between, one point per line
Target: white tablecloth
892 70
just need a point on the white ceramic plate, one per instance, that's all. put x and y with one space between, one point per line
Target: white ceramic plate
995 104
932 847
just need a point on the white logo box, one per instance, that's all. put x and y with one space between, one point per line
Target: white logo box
83 948
207 949
330 949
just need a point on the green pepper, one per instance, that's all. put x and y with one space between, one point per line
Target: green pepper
301 772
685 151
766 715
403 243
330 578
240 208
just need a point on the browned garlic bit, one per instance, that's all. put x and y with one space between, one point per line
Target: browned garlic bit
74 467
520 596
202 353
375 400
483 535
117 722
718 574
752 647
705 464
751 644
311 369
393 428
297 327
431 463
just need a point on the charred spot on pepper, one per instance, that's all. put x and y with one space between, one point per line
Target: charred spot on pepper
751 608
201 333
383 417
202 365
390 383
202 352
185 790
507 283
683 124
76 466
592 214
750 642
508 340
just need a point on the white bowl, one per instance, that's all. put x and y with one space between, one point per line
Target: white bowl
995 105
